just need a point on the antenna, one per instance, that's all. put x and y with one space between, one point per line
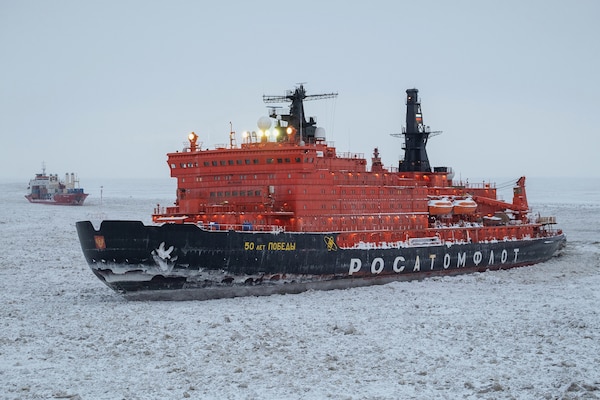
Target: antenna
232 143
296 117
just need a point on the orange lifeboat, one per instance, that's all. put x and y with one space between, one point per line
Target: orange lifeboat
464 206
440 206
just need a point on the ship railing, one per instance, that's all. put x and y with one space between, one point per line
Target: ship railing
245 227
424 241
476 185
356 156
545 220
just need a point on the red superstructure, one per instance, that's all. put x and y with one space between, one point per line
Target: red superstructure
285 212
289 178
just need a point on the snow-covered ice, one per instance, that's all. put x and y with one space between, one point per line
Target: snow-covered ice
527 333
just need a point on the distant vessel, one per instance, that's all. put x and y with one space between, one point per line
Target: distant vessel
49 189
285 212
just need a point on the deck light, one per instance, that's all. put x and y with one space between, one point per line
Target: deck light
192 137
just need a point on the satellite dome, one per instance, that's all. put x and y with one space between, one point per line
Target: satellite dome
320 132
264 123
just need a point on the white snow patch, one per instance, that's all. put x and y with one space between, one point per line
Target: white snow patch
529 332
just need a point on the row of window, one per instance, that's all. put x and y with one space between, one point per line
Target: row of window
236 193
352 206
303 175
247 161
393 192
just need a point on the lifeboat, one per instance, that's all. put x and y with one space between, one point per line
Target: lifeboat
464 206
440 206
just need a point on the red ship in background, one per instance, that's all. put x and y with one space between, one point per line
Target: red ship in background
285 212
49 189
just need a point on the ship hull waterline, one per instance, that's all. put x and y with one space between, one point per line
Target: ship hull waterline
60 200
186 262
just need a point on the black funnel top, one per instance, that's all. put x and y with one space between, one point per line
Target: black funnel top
415 137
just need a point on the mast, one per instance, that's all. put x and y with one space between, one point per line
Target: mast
415 136
296 119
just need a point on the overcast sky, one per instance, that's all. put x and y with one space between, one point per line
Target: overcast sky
106 88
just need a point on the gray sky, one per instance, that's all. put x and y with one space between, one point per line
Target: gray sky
106 88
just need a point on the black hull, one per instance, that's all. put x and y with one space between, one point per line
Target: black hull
182 262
